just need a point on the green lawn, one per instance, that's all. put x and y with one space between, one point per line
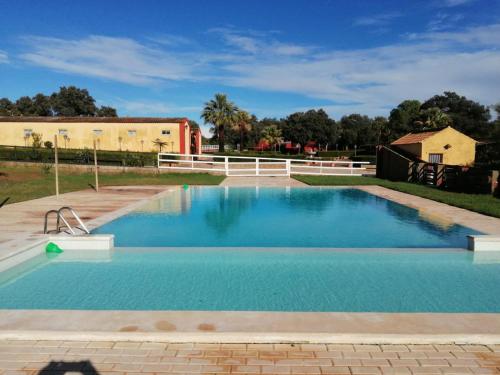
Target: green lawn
482 203
24 183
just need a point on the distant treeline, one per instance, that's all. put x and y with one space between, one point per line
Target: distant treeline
439 111
68 101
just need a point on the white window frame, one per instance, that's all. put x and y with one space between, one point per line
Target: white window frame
436 154
165 132
28 132
97 132
63 132
132 133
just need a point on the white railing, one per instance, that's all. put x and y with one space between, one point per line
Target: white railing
213 148
256 166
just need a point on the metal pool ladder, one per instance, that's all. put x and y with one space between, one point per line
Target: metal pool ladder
60 217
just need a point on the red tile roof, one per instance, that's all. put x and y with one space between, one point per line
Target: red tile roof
414 138
93 119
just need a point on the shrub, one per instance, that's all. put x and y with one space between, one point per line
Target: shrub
37 140
48 144
46 168
133 160
83 156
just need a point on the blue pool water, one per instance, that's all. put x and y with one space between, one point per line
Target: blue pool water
267 280
275 217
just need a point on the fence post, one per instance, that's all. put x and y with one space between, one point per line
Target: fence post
56 165
95 166
288 167
226 165
257 163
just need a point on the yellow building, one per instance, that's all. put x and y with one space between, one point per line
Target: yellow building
110 133
444 146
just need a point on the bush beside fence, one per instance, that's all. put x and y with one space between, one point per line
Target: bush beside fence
76 156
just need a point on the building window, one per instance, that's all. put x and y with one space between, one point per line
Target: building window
436 158
97 131
63 131
132 133
28 132
165 132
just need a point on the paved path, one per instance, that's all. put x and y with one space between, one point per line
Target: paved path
59 357
262 181
21 223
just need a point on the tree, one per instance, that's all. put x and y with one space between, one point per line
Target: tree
357 130
7 108
272 135
402 118
158 142
41 105
242 124
37 140
467 116
69 101
381 130
72 101
24 106
221 113
313 125
106 111
497 110
433 118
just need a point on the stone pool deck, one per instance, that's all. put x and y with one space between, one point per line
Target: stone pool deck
22 223
108 357
439 213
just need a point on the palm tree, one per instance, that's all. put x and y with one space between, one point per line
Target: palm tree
272 134
242 124
158 142
434 117
221 113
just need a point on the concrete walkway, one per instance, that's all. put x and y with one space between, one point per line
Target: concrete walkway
105 357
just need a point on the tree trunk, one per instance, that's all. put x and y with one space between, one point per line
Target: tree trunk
221 138
241 138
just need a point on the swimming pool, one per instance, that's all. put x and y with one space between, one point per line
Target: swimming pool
259 280
267 249
281 217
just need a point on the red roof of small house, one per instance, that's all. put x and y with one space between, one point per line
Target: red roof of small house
411 138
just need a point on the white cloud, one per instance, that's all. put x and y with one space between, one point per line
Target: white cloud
254 43
4 58
376 19
443 21
369 81
148 107
373 80
455 3
118 59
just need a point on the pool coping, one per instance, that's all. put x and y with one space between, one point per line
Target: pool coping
258 326
250 326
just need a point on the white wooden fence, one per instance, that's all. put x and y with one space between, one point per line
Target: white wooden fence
256 166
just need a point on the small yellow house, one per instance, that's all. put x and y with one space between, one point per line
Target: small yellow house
443 146
110 133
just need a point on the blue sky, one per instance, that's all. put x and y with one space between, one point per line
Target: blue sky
166 58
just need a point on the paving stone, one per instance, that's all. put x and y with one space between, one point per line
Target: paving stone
328 354
126 358
365 370
367 348
337 370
